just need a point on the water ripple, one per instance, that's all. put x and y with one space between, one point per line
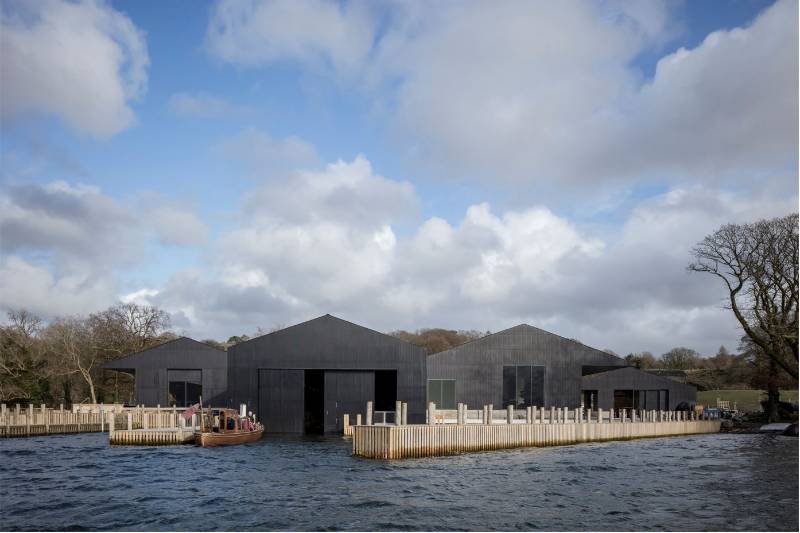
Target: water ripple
711 482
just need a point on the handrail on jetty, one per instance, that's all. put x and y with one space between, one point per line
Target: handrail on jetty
463 430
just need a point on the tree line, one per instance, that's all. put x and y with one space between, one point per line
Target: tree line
60 361
748 369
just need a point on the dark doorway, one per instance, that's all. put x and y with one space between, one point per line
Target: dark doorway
623 399
314 396
385 390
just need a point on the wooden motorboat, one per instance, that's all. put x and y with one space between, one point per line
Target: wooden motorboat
224 427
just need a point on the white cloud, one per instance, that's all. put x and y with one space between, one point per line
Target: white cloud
333 226
172 223
62 246
79 225
83 62
178 227
25 285
321 34
627 291
328 241
549 93
140 297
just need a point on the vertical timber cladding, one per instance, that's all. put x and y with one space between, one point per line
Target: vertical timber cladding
477 366
345 393
328 344
280 400
150 368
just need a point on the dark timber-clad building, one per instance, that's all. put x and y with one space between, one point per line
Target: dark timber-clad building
525 366
177 372
304 378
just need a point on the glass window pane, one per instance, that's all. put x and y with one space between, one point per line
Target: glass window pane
177 393
193 393
509 385
435 391
448 394
524 386
590 399
663 400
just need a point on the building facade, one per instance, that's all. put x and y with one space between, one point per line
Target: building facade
305 378
177 372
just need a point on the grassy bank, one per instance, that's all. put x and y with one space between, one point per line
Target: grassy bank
746 400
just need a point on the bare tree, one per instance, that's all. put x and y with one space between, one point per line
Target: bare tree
70 339
682 359
643 360
758 264
140 323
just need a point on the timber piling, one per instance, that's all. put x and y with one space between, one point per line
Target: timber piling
463 431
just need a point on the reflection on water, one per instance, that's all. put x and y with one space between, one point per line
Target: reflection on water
708 482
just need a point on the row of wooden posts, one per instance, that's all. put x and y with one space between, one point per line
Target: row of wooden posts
530 415
43 420
553 415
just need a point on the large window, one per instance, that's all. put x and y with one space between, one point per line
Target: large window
185 387
652 399
442 392
523 385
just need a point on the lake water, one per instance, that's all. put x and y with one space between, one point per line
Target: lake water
708 482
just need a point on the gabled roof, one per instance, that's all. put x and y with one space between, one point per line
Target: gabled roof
635 373
325 318
531 329
125 362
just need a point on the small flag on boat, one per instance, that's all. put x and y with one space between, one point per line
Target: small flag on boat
187 414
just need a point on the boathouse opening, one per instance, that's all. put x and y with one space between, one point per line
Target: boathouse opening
314 402
385 390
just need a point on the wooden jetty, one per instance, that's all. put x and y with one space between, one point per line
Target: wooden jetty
38 421
155 429
529 427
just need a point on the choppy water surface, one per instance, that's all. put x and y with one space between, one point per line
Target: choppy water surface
709 482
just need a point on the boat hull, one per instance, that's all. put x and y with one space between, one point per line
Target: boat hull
207 440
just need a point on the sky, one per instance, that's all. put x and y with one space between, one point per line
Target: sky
247 165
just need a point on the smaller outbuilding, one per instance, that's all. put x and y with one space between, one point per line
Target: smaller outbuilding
177 372
631 388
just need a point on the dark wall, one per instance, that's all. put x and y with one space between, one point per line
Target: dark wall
633 379
327 343
150 369
477 366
